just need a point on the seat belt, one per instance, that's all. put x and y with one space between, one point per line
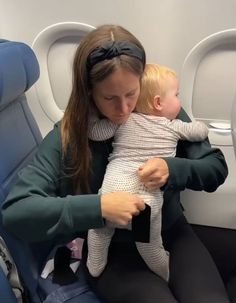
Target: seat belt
9 268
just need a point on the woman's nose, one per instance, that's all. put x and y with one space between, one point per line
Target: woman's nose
123 107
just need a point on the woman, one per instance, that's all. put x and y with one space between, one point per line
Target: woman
55 197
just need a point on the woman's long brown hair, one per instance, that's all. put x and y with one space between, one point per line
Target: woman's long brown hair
74 126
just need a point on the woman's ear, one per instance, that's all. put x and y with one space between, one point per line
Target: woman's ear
157 103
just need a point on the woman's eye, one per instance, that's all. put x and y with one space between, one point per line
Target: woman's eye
131 94
108 98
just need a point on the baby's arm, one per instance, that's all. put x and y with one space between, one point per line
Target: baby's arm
101 129
191 131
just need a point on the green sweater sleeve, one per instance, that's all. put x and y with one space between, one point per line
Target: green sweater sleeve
197 165
35 209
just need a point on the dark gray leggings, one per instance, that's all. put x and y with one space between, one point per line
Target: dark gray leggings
193 275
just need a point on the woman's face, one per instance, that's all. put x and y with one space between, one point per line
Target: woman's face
117 95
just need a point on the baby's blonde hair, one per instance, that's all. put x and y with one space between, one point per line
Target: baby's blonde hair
154 82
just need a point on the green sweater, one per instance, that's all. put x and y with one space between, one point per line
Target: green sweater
42 205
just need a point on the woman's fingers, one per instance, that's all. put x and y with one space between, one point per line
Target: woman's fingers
120 207
154 173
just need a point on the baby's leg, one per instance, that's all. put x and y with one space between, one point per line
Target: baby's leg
98 246
153 253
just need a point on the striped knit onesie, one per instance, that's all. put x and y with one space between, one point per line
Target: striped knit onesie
140 138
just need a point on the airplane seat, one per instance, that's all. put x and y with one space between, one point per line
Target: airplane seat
19 139
7 295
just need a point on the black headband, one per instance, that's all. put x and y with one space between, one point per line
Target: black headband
113 49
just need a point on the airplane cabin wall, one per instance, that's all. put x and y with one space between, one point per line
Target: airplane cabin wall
168 29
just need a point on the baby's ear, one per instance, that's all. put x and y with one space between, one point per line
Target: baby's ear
157 103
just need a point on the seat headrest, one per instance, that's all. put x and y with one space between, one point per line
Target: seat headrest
19 70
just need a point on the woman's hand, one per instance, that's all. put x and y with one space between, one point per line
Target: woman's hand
120 207
154 173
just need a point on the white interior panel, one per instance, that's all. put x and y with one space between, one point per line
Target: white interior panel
167 29
218 208
60 61
208 90
233 125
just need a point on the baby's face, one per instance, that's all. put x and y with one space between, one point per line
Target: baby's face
170 102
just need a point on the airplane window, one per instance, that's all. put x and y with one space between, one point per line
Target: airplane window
60 60
54 47
214 90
